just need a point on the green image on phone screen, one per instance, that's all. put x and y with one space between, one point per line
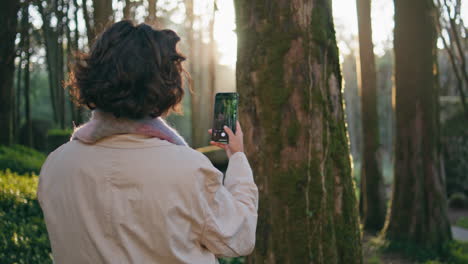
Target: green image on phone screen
225 114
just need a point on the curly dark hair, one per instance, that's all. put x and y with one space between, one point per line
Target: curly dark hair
131 71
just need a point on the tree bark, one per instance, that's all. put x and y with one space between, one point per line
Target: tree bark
89 27
152 18
8 24
50 43
103 15
289 81
419 208
79 109
17 122
212 62
27 55
60 62
195 95
372 203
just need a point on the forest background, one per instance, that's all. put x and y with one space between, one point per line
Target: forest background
363 135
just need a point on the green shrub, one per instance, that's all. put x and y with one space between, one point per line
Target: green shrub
458 200
231 260
23 234
57 137
458 252
462 222
21 159
455 150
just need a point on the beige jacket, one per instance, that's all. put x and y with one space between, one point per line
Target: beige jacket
136 199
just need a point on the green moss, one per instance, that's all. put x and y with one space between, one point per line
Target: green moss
293 215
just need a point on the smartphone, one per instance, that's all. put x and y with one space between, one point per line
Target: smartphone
225 114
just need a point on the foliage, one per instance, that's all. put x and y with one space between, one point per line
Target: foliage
455 146
458 252
374 260
231 260
23 234
454 252
57 137
458 200
21 159
462 222
59 132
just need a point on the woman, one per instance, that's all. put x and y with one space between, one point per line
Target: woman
126 188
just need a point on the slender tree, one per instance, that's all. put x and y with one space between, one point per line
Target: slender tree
75 46
419 208
152 17
372 195
8 23
455 44
289 81
103 15
17 116
50 42
195 96
26 82
88 23
212 62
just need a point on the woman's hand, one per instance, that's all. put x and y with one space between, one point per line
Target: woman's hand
236 141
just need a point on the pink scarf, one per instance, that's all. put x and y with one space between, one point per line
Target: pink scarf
103 124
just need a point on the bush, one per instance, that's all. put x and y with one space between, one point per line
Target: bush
57 137
39 133
462 222
455 150
458 200
23 234
21 159
239 260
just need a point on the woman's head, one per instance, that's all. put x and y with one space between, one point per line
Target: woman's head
130 71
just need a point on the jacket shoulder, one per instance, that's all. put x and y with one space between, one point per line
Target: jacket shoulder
194 155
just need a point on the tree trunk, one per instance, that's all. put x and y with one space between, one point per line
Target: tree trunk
60 67
89 27
27 55
17 122
8 24
372 202
289 80
131 6
419 208
50 43
195 96
212 63
76 38
152 18
103 15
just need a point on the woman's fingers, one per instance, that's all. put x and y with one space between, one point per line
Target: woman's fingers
229 131
238 127
210 131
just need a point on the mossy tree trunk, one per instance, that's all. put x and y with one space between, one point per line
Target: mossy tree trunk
8 23
372 196
419 209
291 109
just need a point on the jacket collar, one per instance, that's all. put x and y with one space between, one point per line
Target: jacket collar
132 141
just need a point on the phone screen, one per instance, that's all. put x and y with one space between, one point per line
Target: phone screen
225 114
